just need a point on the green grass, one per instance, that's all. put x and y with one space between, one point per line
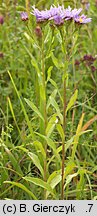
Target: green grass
33 132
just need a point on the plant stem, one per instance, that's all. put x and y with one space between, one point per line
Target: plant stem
63 141
28 6
44 110
64 49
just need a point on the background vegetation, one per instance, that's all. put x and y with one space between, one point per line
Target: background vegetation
22 141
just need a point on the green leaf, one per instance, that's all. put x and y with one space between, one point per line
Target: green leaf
54 179
51 144
14 161
69 167
56 88
40 183
76 138
19 185
69 178
56 62
34 108
80 185
60 130
22 106
49 73
51 125
53 95
72 100
29 39
40 147
52 101
36 161
13 115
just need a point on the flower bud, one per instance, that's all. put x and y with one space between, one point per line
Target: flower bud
24 16
38 31
1 19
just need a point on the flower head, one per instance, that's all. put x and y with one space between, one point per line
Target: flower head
89 59
59 14
70 14
40 15
50 14
24 16
55 11
58 19
82 19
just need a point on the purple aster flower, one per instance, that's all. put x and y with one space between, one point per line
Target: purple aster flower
59 14
1 20
55 11
47 14
24 16
82 19
76 12
58 19
40 15
69 13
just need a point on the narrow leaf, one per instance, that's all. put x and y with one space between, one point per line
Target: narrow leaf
91 121
40 183
36 161
34 108
19 185
72 100
76 139
14 161
23 108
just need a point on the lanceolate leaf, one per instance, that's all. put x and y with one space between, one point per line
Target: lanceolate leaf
34 108
40 147
72 100
51 144
36 161
91 121
14 162
54 178
53 102
22 106
51 125
76 139
40 183
17 184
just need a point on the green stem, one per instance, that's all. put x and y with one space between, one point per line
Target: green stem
27 6
44 110
63 141
64 49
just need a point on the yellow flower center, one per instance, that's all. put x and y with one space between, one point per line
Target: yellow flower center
80 20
